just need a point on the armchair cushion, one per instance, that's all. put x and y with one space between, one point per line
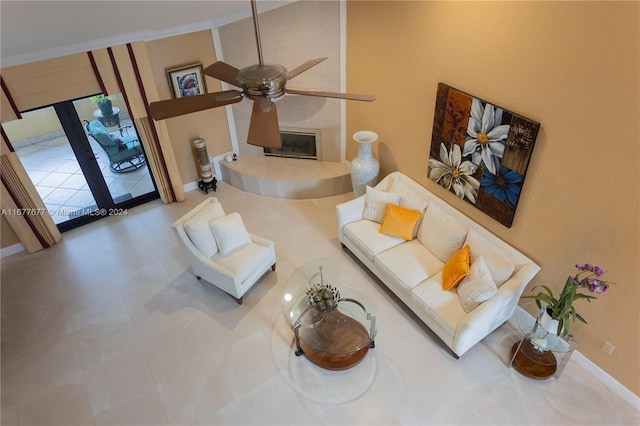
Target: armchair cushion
245 261
197 228
229 232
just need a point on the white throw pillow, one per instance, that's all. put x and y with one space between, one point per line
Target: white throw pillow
476 287
440 233
410 199
198 231
499 264
377 203
229 232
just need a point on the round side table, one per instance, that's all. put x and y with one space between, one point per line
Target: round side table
541 354
109 120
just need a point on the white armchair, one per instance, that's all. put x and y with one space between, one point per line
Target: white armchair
221 250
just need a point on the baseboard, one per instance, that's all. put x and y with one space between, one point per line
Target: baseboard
612 384
190 186
8 251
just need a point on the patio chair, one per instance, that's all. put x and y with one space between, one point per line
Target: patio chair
124 151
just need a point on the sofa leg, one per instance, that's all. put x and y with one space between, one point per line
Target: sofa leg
273 267
238 300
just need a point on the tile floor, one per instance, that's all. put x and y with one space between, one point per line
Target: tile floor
56 174
109 327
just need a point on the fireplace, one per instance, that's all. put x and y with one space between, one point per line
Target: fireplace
298 143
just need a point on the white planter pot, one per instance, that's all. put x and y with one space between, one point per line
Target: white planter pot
364 167
548 323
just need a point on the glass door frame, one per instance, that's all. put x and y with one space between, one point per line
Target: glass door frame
72 126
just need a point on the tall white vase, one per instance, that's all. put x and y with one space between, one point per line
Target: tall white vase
364 167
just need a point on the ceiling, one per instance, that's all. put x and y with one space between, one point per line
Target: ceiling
27 27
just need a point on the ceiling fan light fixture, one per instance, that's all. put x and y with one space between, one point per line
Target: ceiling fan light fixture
261 81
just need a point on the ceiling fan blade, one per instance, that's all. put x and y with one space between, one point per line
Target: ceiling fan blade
302 68
174 107
229 95
263 129
224 72
348 96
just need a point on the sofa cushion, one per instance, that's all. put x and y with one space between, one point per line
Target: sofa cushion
400 222
230 233
442 306
476 287
499 264
377 203
245 261
440 233
364 234
410 199
408 264
455 269
198 231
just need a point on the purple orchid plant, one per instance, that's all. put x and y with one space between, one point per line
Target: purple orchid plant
561 309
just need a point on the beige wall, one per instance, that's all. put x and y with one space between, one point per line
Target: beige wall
210 124
571 66
7 236
46 121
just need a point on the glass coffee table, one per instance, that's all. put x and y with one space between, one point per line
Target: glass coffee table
333 326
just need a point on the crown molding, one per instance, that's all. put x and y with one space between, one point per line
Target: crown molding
71 49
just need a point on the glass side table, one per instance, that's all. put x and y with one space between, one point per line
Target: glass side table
541 354
333 326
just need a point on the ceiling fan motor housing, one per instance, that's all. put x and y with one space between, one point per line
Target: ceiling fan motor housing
260 81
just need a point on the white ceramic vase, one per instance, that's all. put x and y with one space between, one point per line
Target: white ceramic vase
364 167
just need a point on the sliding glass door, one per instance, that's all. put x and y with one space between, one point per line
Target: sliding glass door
84 163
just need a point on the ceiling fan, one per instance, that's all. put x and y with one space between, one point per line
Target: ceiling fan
263 83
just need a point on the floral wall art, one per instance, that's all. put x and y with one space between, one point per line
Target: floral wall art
480 152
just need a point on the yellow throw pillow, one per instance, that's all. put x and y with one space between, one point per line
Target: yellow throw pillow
400 221
456 269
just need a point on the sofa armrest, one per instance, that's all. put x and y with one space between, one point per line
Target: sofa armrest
513 288
493 312
350 211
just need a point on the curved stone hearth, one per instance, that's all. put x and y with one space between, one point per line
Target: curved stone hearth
287 177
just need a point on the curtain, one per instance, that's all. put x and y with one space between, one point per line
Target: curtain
47 82
125 69
22 206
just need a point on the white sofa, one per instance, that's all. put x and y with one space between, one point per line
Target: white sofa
412 269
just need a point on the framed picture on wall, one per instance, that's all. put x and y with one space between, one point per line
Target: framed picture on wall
186 80
480 152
